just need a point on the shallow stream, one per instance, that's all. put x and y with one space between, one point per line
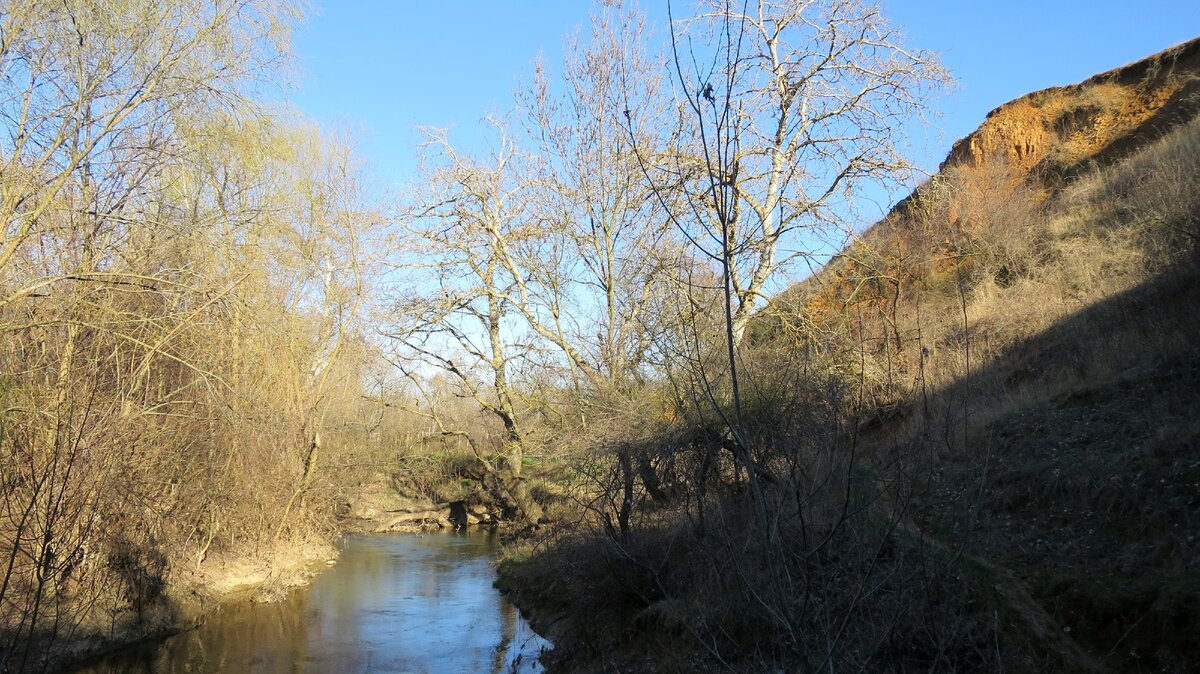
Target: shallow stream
393 603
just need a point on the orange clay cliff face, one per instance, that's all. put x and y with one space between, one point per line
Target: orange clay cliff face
1097 119
1024 153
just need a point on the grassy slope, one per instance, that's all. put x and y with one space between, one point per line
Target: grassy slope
1089 492
1070 463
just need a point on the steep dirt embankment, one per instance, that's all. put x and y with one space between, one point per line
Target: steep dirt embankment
1100 119
1028 320
980 205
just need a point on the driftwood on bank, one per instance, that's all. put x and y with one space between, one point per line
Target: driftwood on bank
380 506
441 517
447 515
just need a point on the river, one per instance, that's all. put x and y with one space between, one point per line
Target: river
393 603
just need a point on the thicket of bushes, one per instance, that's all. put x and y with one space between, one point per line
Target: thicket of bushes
180 347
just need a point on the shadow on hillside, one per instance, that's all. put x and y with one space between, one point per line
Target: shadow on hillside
1147 326
1075 466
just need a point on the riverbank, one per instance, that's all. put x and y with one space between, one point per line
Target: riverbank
391 504
192 593
545 609
140 592
604 608
673 599
394 602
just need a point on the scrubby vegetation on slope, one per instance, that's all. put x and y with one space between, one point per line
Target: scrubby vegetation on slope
975 426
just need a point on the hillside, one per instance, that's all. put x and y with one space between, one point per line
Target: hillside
1030 318
976 423
1029 150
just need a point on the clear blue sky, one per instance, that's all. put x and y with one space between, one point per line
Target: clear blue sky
380 68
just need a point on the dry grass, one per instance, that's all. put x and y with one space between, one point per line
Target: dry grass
1031 267
1065 449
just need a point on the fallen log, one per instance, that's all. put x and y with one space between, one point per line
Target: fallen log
418 517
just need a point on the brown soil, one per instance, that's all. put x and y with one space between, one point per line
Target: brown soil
1072 124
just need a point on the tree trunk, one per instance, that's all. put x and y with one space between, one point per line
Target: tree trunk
518 490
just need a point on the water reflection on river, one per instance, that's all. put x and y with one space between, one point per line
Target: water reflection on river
393 603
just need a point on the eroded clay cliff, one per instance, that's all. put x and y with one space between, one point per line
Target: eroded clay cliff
1098 119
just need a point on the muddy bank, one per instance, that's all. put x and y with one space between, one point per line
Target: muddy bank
547 617
575 591
192 593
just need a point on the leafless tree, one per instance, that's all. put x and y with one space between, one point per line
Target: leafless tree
605 253
787 109
459 313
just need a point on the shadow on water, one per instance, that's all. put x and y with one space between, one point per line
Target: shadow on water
393 603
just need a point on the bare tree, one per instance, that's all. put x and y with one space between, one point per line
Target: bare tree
605 249
458 315
91 92
790 109
181 276
787 110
